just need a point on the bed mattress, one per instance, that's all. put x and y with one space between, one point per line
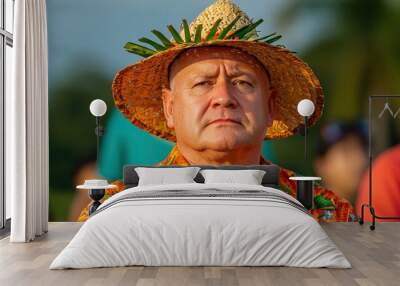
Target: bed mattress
201 225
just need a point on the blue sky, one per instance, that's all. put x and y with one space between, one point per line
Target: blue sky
92 32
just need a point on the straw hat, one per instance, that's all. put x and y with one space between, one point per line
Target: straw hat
137 88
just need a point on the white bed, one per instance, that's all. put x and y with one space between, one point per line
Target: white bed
222 225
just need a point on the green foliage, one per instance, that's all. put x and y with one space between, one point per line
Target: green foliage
244 33
138 50
266 37
355 54
186 30
157 46
175 34
197 37
213 30
323 203
228 28
59 204
167 43
273 39
72 138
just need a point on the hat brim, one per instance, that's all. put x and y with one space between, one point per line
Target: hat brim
137 88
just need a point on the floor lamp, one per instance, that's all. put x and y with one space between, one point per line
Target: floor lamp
97 187
370 203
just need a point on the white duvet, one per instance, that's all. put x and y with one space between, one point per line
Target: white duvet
188 231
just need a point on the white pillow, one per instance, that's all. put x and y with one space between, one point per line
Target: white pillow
248 177
162 176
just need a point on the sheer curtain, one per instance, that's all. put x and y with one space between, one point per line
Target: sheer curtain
27 173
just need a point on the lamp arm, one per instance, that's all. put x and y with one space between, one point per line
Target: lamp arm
305 138
99 131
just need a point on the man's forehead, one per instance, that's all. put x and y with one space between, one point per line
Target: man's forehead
202 54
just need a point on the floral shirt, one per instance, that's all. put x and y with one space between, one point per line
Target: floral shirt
328 207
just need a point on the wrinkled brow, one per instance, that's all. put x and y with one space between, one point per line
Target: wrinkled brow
213 70
193 54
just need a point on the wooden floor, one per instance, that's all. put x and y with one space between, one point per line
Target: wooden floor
375 256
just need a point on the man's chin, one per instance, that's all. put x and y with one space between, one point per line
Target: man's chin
226 142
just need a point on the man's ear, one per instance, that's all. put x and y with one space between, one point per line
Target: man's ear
271 108
168 102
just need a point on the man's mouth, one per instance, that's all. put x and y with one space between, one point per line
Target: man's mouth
225 121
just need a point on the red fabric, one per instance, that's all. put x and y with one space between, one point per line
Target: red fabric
385 186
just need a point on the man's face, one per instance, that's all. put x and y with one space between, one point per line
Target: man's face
218 99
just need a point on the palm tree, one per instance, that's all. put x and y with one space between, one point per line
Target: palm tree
357 53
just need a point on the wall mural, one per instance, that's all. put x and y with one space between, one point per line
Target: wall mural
219 88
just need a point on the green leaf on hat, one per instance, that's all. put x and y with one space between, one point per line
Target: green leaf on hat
238 31
274 39
175 34
244 33
167 43
197 37
157 46
248 29
265 37
213 30
186 30
247 36
226 30
138 50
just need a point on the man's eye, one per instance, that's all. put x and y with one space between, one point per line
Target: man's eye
203 83
242 83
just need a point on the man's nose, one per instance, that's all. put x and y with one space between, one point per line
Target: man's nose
223 95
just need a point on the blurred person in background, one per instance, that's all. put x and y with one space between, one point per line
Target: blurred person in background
342 157
385 186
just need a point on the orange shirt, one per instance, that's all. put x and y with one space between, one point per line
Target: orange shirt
385 186
328 206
